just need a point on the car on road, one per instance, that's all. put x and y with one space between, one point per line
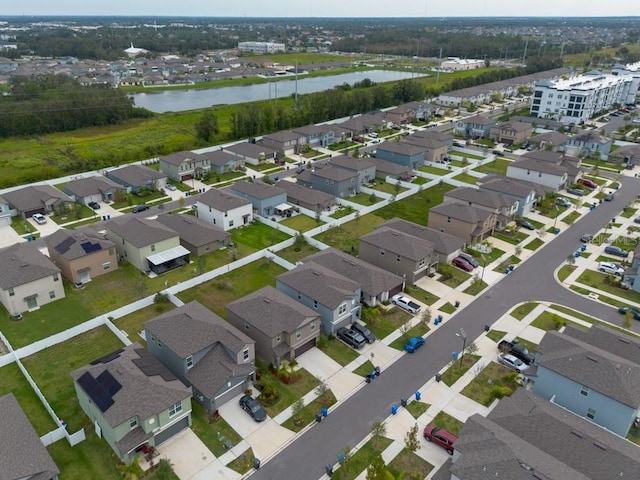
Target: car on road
470 260
512 362
498 153
462 264
170 187
617 251
575 191
611 268
441 437
413 344
588 183
364 331
636 220
608 197
406 303
605 119
94 205
616 114
458 144
39 218
635 120
586 238
634 311
253 408
140 208
527 224
350 337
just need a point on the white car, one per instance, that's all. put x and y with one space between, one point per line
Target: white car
406 303
39 218
512 362
611 268
170 187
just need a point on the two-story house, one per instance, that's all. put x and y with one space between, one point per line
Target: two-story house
207 353
28 278
223 209
220 161
594 374
470 223
547 174
284 143
525 193
405 154
317 135
553 141
305 197
264 197
626 155
282 327
386 169
132 400
363 124
511 133
251 153
572 165
589 143
335 297
335 181
474 127
364 167
505 208
181 166
434 150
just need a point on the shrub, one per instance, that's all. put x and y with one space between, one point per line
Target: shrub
499 391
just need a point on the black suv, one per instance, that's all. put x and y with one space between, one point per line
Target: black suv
350 337
364 331
253 408
140 208
613 250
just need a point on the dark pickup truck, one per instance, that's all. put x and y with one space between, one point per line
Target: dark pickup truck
517 350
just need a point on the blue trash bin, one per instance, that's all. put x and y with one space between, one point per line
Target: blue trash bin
583 248
418 395
556 231
577 254
394 409
325 411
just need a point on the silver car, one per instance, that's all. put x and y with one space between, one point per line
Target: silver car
512 362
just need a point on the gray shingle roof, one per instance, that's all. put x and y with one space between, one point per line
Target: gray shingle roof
141 394
539 166
23 454
250 150
194 231
480 197
390 168
372 279
272 312
259 190
478 120
320 283
432 134
220 158
139 232
23 263
425 142
91 186
553 138
136 175
394 241
511 186
351 163
442 242
72 244
283 136
334 173
221 200
401 148
34 197
609 340
309 196
179 158
461 211
192 327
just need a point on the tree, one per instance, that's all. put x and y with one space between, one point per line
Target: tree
376 470
518 250
426 316
378 430
296 411
471 349
322 389
411 439
628 318
571 259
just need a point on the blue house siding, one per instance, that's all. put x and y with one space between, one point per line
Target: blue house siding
337 189
410 161
609 413
264 206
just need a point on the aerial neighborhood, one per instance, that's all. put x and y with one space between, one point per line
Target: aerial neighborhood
453 280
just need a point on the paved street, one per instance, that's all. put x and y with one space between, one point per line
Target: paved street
533 280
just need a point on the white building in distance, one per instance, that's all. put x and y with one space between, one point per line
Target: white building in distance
632 70
577 99
455 64
261 47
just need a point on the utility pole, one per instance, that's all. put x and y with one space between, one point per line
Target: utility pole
439 63
296 95
524 55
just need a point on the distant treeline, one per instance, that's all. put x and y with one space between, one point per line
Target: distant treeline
57 103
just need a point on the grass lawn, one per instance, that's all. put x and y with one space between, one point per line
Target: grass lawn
514 238
565 271
419 181
420 294
50 369
301 223
416 207
459 368
446 421
495 381
417 408
492 256
365 369
257 236
496 335
337 349
499 165
382 322
386 187
512 260
447 308
409 463
231 286
523 310
296 253
467 155
453 276
534 244
345 237
364 199
434 170
465 177
551 321
629 212
418 331
342 211
361 459
600 281
132 323
288 394
243 463
13 381
212 431
571 217
308 414
603 298
476 287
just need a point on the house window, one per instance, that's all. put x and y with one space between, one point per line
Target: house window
189 362
397 258
153 338
584 391
11 292
245 354
315 304
111 252
106 265
133 423
231 223
55 277
342 309
591 414
246 325
175 408
448 219
382 251
312 326
421 262
299 296
278 338
226 214
52 294
153 248
298 333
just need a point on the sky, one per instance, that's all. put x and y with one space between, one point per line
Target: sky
325 8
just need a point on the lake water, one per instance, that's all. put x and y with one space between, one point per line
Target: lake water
180 100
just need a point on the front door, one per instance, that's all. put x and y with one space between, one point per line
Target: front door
32 303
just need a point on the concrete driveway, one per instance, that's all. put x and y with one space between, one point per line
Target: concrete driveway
8 237
340 380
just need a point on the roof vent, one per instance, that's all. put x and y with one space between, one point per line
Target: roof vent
592 358
577 433
601 446
266 300
624 340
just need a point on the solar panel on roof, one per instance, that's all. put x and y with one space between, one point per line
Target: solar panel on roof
89 247
107 358
108 383
95 392
151 366
64 245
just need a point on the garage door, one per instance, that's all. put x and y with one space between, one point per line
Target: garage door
230 394
165 435
396 290
305 347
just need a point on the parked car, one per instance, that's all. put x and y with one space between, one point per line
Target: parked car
462 264
364 331
170 187
406 303
588 183
586 238
39 218
563 202
253 408
458 144
470 260
575 191
527 224
636 220
605 119
512 362
441 437
617 251
608 197
350 337
94 205
634 311
611 268
140 208
498 153
413 344
517 350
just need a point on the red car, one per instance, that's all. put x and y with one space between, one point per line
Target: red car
588 183
441 437
462 264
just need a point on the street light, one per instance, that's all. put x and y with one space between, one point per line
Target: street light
556 219
462 334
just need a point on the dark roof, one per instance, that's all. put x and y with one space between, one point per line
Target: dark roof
259 190
251 150
34 197
401 148
334 173
193 327
222 200
138 231
425 142
511 186
136 175
390 168
91 186
480 197
442 242
432 134
272 312
372 279
313 129
409 246
72 244
310 196
351 163
478 120
144 392
220 158
539 166
22 452
609 340
552 138
179 158
545 155
23 263
194 231
526 437
283 136
462 211
513 125
329 288
589 136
